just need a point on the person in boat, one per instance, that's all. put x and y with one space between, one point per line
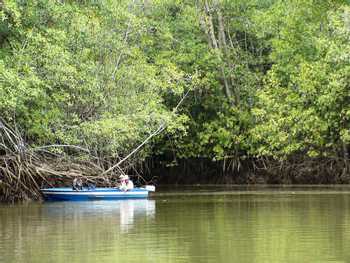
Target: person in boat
125 183
77 184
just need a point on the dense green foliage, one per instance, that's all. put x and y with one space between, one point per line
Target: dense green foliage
305 103
266 78
75 73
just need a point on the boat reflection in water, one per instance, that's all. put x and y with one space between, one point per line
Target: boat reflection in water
131 209
126 212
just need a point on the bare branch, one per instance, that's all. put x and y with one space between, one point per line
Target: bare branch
156 132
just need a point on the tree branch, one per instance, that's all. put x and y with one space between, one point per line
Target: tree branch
156 132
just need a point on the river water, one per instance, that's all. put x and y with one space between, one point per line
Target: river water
211 224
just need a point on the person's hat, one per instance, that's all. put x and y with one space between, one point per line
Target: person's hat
124 177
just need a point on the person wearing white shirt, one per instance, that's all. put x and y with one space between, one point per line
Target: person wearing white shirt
125 183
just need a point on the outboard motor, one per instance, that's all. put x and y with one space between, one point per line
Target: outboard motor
150 188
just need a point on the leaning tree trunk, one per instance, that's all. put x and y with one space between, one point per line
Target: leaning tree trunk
208 27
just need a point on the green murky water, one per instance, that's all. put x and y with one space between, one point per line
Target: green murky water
193 225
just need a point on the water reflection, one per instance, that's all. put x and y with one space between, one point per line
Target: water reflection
129 209
124 212
226 227
69 231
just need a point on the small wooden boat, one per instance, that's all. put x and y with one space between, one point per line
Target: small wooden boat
68 194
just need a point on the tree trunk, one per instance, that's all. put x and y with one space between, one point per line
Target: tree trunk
346 157
224 48
210 31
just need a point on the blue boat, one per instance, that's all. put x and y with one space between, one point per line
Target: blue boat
86 194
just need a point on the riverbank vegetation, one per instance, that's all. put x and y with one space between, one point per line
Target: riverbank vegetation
263 86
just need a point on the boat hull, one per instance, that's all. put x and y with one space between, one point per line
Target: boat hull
68 194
